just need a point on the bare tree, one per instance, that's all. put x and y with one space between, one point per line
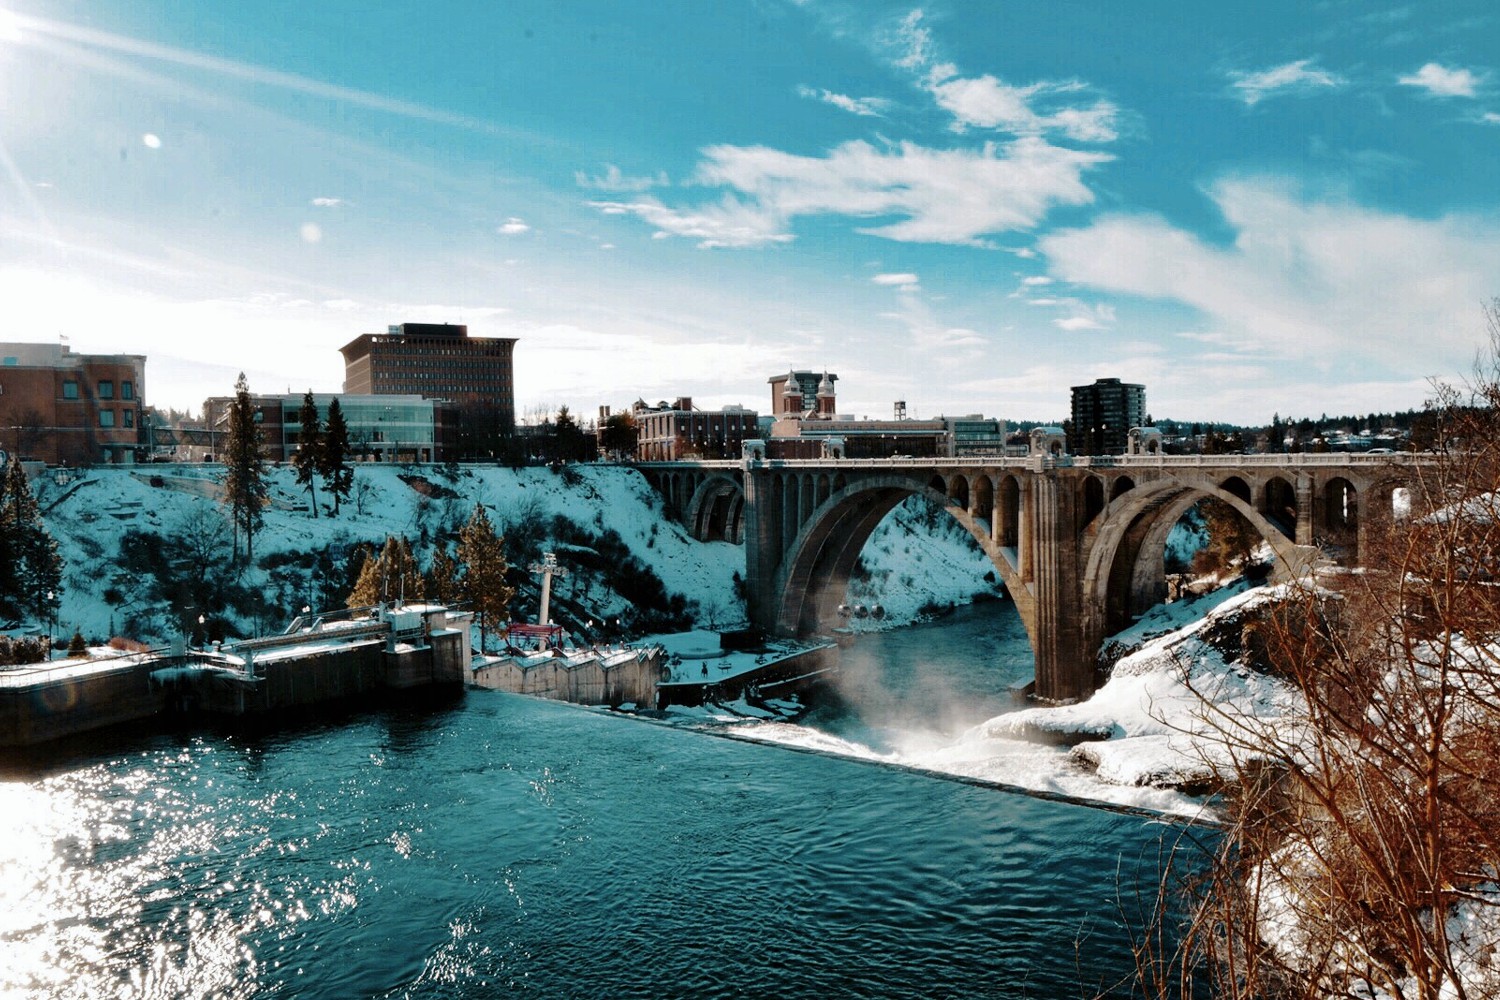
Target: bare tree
1363 854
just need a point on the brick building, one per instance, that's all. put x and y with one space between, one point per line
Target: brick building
807 425
673 431
70 409
436 360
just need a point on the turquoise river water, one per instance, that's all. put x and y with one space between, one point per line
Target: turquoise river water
496 846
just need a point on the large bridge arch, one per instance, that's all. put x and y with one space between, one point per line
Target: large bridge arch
1123 571
814 572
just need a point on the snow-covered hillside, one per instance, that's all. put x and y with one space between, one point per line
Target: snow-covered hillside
118 526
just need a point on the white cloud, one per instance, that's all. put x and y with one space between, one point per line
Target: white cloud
151 140
512 227
912 41
1298 77
1036 279
1439 81
1084 316
613 179
941 196
328 202
731 223
906 279
1490 118
1320 282
866 107
986 102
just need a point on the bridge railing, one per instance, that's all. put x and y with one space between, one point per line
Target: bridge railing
1038 463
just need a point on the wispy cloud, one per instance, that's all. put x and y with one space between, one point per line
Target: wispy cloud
866 107
903 280
328 202
1440 81
1325 282
730 223
943 196
987 102
613 179
1300 77
512 227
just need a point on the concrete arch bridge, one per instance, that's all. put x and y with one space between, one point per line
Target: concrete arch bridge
1078 542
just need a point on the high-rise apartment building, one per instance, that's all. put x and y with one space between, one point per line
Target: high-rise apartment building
74 409
1103 414
436 360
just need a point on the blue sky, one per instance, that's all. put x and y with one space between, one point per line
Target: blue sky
969 207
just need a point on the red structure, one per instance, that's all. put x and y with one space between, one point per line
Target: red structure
70 409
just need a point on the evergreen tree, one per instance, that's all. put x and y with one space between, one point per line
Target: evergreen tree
31 570
482 555
308 458
570 439
442 577
78 647
245 489
392 575
334 467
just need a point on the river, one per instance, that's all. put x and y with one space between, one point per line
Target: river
499 846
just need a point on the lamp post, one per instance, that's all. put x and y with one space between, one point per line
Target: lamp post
51 621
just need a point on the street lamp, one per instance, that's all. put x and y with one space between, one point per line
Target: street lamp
51 621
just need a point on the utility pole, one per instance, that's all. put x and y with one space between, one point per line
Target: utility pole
549 568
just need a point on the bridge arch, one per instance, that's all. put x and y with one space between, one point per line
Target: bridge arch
1123 575
1279 504
1120 486
814 573
716 511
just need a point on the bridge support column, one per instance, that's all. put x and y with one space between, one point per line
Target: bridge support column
1024 532
763 545
1305 500
1064 663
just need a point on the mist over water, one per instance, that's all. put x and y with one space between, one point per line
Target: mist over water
510 847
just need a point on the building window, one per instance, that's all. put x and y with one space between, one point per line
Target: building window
106 389
127 389
70 389
106 418
129 417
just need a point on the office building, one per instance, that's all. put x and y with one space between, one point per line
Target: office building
382 428
1103 414
435 360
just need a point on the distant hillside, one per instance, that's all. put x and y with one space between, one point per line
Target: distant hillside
149 550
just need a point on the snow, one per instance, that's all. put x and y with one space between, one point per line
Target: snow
89 517
916 558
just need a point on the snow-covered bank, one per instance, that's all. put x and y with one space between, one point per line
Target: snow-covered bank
111 522
1143 741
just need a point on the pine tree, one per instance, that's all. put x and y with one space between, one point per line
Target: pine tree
245 489
78 647
442 577
482 554
334 467
31 575
392 575
308 458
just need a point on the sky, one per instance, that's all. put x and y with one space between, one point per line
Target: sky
1287 209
